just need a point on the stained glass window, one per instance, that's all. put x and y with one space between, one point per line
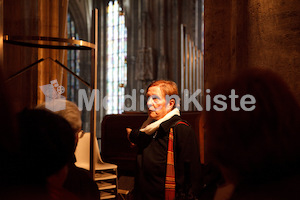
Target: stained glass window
116 71
73 62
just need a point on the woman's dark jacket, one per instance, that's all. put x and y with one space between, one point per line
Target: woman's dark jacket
152 159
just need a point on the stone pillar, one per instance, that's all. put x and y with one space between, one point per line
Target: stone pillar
274 38
1 36
252 33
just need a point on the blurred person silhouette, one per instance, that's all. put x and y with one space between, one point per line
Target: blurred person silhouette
78 180
46 147
257 151
9 142
168 161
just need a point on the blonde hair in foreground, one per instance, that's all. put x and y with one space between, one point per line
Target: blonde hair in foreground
71 113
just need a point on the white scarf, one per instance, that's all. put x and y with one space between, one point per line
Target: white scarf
150 127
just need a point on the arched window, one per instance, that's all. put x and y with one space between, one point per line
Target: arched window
116 70
73 63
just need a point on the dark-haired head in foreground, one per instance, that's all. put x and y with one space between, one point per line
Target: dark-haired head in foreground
47 144
78 180
260 146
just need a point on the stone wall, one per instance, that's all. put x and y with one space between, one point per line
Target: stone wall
274 38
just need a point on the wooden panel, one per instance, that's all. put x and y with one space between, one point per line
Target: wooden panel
52 22
32 18
19 19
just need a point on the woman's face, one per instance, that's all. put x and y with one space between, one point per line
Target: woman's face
156 102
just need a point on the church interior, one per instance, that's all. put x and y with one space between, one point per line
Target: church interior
102 55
